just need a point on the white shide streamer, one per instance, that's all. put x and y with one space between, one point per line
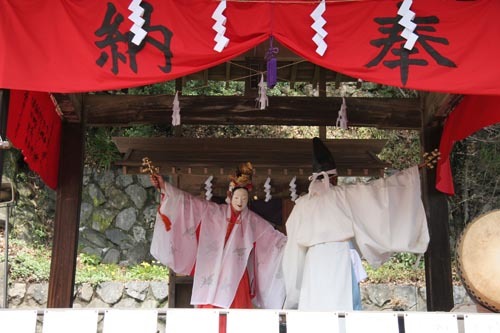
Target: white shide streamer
220 39
317 26
342 117
176 110
267 189
406 21
293 189
262 100
208 188
138 22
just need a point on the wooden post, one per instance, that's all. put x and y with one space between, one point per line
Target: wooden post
438 257
322 93
4 110
67 219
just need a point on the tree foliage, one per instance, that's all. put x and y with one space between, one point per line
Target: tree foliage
476 171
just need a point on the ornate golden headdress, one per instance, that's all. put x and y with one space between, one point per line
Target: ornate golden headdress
242 178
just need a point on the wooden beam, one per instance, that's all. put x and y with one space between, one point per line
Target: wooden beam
70 105
209 155
437 106
67 218
438 277
386 113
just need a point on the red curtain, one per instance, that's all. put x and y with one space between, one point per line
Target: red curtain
472 114
82 45
34 127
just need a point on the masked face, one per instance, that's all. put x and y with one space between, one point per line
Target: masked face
239 199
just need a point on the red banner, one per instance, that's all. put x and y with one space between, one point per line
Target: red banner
472 114
86 45
34 127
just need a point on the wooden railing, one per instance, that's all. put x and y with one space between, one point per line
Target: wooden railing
241 321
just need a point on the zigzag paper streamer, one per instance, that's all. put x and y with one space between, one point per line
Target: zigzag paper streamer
267 189
406 21
262 100
220 39
208 188
293 189
317 26
138 22
342 117
176 114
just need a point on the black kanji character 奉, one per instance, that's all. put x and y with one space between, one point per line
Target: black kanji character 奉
393 42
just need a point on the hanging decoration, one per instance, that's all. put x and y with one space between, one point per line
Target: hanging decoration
271 66
180 41
220 20
342 117
262 100
4 144
293 189
319 22
267 189
138 22
407 23
208 188
176 114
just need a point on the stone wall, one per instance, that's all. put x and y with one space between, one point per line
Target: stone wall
154 294
117 216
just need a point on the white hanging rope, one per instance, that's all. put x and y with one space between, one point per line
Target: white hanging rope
208 188
4 144
262 100
267 189
342 117
176 108
293 189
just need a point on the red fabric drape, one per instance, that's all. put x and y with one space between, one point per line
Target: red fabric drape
472 114
85 50
82 45
34 127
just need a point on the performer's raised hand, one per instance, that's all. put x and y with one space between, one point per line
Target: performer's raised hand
430 159
157 181
154 177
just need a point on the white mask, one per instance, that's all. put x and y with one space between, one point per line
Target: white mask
239 199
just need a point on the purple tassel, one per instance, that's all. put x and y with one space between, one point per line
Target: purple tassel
272 68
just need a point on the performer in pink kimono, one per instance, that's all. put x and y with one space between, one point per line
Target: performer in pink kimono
233 254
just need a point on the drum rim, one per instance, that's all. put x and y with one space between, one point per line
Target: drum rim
461 273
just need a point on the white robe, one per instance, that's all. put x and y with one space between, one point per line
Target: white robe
219 267
383 217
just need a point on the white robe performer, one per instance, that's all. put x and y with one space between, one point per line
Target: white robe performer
383 217
219 268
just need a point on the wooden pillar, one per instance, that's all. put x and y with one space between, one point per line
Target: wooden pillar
322 93
67 219
4 110
438 257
